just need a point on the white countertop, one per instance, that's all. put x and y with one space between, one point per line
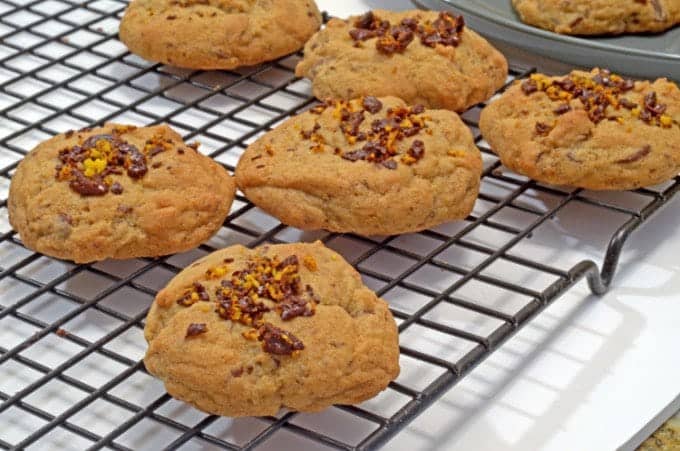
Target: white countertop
587 374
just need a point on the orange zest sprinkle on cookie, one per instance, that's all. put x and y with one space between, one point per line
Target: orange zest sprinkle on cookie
310 263
196 293
383 137
602 95
414 153
217 272
90 166
446 30
250 334
456 153
156 145
265 284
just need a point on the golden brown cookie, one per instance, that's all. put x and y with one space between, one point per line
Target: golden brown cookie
246 332
592 130
667 438
217 34
595 17
422 57
117 192
372 166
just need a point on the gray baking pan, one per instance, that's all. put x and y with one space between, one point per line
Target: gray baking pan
648 56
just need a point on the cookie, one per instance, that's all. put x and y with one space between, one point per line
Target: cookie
666 438
217 34
593 130
597 17
426 58
245 332
372 166
117 192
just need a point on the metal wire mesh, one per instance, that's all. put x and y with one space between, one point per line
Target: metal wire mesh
70 336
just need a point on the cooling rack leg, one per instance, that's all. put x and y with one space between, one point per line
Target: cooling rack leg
599 283
590 271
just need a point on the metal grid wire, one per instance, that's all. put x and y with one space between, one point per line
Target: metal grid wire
70 336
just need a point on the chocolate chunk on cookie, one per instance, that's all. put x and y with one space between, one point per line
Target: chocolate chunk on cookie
217 34
594 130
117 192
246 332
423 57
598 17
368 166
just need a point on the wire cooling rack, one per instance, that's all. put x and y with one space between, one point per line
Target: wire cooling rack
71 342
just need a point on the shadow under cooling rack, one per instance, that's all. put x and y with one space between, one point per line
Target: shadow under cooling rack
71 338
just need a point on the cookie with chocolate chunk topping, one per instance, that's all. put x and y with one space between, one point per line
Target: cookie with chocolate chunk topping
598 17
424 57
239 351
217 34
117 192
373 166
594 130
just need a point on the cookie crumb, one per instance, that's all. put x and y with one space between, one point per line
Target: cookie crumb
196 329
543 129
278 341
637 156
372 104
415 153
66 218
116 188
562 109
